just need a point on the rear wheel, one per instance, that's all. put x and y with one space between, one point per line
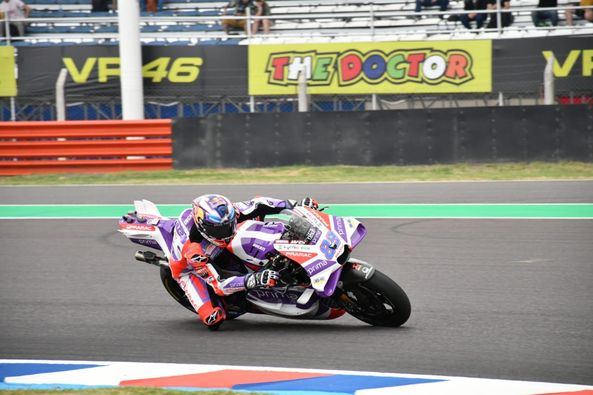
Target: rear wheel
378 301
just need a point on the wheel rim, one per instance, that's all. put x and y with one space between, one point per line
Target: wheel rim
375 305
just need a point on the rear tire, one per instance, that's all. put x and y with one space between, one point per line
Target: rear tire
378 301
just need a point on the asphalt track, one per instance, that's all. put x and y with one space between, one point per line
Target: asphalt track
493 298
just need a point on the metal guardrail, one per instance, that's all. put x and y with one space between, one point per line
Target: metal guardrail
84 146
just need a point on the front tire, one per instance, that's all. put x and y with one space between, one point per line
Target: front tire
379 301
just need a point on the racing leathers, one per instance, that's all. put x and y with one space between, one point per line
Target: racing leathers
201 267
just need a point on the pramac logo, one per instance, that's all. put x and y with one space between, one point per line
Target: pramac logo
423 66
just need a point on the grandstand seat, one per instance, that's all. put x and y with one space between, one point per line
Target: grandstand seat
35 13
150 28
39 29
181 13
76 2
196 28
106 29
209 13
21 43
394 19
175 28
81 29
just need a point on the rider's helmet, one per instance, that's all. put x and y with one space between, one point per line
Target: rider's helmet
215 219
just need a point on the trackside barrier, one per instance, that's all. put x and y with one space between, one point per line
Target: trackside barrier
84 146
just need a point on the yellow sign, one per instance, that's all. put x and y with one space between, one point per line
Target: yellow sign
365 68
7 76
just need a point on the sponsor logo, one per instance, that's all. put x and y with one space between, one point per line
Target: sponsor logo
188 220
180 70
316 237
199 258
274 295
372 67
291 242
367 270
319 280
322 218
310 234
214 317
302 254
349 67
148 228
566 68
258 247
294 247
316 267
300 257
339 227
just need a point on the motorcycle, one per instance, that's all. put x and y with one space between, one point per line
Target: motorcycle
308 248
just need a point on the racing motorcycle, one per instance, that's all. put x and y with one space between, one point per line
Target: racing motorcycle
308 248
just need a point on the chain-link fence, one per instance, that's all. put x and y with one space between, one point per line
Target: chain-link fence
44 109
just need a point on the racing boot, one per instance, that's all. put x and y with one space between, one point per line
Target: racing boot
211 316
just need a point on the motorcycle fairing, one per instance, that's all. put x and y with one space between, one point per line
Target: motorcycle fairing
284 302
319 259
147 227
254 241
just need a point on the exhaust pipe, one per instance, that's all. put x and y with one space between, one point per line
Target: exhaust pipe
151 258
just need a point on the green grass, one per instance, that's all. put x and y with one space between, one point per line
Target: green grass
324 174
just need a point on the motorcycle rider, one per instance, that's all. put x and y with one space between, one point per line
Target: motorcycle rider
199 255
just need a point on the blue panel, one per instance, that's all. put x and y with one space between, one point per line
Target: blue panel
338 383
25 369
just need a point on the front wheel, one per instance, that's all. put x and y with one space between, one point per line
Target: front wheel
378 301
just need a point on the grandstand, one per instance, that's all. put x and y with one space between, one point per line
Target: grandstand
197 23
192 22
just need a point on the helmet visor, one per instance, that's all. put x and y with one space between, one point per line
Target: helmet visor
220 231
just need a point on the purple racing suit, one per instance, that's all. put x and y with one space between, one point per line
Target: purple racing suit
197 265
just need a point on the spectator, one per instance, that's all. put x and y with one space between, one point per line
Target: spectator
443 5
587 13
540 18
14 9
103 5
151 5
240 7
506 18
261 9
479 18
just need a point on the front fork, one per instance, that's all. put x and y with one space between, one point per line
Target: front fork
355 271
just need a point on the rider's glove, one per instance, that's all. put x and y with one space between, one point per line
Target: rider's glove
263 279
309 202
